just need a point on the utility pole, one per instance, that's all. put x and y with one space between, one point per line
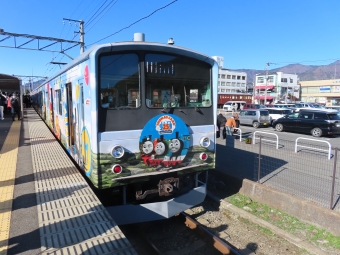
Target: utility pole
81 32
265 95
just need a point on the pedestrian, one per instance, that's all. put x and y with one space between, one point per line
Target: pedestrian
231 123
237 121
9 106
15 105
2 100
221 120
5 94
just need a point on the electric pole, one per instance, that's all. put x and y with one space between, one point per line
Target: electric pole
81 33
265 95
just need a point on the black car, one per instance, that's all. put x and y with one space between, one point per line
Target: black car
316 122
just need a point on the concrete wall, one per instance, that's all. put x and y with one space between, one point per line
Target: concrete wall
302 209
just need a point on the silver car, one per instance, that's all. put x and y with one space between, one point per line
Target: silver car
255 117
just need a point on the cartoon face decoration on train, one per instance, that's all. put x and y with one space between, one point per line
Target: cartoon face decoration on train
164 141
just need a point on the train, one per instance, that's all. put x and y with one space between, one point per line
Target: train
226 97
139 120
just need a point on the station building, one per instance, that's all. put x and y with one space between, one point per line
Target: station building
321 91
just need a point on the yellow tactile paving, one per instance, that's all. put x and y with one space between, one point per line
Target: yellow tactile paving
8 162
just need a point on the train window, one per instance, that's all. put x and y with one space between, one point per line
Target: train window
175 81
59 102
119 81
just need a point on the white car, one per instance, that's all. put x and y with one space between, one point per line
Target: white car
276 113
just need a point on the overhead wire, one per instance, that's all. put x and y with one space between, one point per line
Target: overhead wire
102 15
54 57
107 8
91 18
135 22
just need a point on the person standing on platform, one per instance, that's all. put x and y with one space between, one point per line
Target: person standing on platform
9 107
15 105
2 100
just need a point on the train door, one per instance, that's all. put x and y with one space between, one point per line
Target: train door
43 109
69 115
51 109
79 118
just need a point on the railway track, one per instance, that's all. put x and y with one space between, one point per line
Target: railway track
176 236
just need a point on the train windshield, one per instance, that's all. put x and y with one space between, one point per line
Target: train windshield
173 81
119 81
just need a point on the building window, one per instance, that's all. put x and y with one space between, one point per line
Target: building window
228 83
239 77
313 89
234 77
243 78
223 76
222 83
228 76
291 80
260 79
238 85
222 90
233 84
270 78
219 76
283 79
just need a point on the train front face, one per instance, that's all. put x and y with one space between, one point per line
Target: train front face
156 117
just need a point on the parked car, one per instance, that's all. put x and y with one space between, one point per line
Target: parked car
254 117
276 113
253 106
314 121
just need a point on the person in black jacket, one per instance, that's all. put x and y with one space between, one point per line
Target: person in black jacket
221 120
15 103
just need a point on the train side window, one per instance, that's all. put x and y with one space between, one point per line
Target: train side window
59 102
119 81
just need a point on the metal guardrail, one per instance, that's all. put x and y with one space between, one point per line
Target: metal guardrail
277 138
329 145
240 133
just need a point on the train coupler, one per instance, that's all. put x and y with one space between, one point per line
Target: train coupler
165 188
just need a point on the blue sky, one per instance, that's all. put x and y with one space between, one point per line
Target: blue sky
247 33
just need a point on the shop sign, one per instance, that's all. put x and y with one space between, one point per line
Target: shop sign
326 89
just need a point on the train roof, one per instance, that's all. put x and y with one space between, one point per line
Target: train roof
137 45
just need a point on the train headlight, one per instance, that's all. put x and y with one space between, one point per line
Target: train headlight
117 151
205 142
117 169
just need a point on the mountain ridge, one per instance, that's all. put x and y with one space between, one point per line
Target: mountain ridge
304 72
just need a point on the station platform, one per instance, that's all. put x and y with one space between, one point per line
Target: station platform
46 206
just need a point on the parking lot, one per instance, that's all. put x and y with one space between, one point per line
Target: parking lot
309 173
247 131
